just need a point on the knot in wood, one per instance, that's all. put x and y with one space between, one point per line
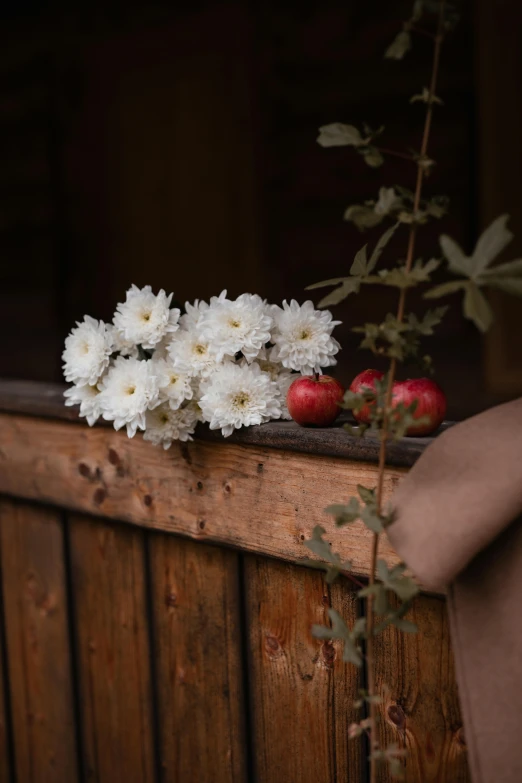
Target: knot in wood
396 716
171 599
99 496
114 457
329 654
272 646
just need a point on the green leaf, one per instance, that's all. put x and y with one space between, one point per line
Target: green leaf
349 286
445 288
430 319
491 243
324 283
506 277
356 402
340 630
344 514
426 97
477 308
360 262
378 591
458 261
388 201
357 431
371 156
399 46
362 216
510 269
333 565
339 135
367 495
372 520
321 548
379 247
403 586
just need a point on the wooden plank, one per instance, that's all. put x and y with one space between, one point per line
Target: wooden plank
46 400
107 565
256 499
302 692
195 593
420 709
33 576
5 766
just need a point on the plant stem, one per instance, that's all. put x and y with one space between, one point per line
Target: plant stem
384 433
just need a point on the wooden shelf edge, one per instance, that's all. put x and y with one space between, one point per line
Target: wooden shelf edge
45 400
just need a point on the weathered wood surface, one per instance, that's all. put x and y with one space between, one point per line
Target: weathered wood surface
302 693
38 652
5 754
46 400
257 499
108 584
198 665
420 709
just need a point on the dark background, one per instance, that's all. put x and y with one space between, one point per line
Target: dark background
174 144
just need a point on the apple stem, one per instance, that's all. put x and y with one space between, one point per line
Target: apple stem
316 376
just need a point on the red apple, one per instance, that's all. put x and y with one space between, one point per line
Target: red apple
314 399
431 400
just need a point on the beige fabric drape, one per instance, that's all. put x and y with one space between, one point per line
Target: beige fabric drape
458 526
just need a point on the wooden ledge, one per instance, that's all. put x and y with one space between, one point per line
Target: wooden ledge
255 499
46 401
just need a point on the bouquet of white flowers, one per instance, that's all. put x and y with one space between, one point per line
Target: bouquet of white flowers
228 363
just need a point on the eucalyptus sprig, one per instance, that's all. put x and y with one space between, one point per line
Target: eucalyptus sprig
398 337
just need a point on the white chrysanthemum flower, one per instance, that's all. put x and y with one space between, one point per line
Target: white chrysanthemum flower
283 377
190 353
237 396
88 398
243 325
164 425
193 314
121 345
174 386
87 352
144 318
128 390
302 337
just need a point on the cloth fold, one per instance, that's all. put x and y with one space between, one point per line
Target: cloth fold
459 525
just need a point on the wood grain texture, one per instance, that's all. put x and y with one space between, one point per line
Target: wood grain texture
107 566
46 400
420 709
5 765
38 651
196 615
301 690
255 499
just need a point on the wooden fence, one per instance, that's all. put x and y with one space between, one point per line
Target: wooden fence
155 621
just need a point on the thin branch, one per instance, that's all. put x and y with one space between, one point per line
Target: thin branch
389 389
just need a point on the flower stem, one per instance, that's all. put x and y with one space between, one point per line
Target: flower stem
384 433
